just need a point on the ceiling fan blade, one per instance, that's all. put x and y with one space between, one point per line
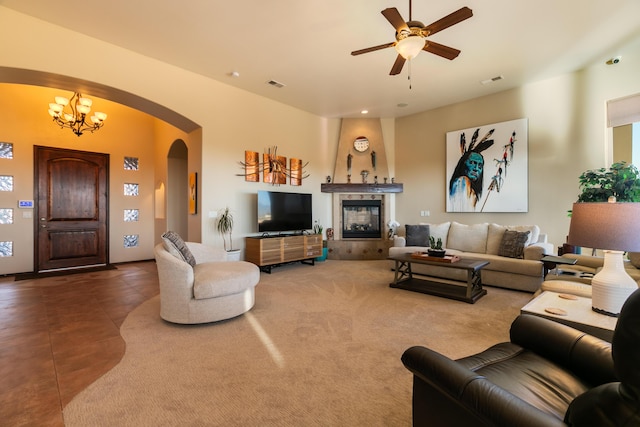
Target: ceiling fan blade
441 50
372 49
449 20
395 19
397 66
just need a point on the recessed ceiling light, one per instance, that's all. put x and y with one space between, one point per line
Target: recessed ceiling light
364 112
235 74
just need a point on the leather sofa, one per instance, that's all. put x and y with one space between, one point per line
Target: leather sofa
547 375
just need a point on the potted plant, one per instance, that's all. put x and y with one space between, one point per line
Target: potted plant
317 229
393 228
621 181
224 226
435 247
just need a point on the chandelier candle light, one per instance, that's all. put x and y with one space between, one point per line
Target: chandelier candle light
613 227
76 119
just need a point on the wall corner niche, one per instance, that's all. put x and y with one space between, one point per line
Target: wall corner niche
361 153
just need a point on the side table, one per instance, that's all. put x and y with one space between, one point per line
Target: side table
550 262
579 314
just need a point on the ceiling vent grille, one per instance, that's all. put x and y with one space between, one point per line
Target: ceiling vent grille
276 84
491 80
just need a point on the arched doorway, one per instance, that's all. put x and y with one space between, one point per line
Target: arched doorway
178 188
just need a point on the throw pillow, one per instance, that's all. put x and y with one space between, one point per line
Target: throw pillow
177 247
468 238
417 235
439 231
534 230
494 238
512 244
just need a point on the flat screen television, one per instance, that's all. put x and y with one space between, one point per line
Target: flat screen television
284 212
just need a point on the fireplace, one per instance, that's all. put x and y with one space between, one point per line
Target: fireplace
361 219
360 230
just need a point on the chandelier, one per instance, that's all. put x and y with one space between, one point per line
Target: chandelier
76 119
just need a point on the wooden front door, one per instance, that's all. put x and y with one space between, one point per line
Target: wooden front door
71 208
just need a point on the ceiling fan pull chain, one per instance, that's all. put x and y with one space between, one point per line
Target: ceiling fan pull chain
409 76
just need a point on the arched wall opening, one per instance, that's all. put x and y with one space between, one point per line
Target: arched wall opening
177 188
137 127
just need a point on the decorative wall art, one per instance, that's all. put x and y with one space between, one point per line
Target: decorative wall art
193 193
487 168
273 168
252 166
295 166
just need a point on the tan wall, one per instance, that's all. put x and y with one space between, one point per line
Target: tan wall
567 135
566 130
127 132
231 121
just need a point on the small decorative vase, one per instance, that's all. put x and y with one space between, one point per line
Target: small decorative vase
436 252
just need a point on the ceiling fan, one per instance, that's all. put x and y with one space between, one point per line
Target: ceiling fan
411 36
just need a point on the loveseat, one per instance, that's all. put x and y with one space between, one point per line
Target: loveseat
514 262
198 284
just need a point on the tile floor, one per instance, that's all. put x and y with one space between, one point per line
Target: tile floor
60 334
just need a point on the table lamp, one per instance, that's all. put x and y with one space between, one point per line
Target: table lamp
614 228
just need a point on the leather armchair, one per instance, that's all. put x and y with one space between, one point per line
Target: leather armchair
547 375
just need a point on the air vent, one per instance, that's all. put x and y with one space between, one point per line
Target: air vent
276 84
491 80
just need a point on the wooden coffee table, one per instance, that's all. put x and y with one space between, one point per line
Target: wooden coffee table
469 291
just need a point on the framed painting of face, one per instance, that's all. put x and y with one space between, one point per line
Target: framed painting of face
487 168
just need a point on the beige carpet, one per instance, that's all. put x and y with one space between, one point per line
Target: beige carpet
321 347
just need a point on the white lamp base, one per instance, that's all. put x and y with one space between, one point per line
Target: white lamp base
612 285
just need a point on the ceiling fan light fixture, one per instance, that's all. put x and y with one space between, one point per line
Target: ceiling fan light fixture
410 46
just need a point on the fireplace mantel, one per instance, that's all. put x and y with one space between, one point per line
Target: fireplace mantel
361 188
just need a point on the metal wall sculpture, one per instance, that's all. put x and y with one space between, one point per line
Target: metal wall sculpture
273 168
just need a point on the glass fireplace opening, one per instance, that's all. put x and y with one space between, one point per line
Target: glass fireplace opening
361 219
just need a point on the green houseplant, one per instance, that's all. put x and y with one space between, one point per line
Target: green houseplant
620 180
317 229
224 226
435 247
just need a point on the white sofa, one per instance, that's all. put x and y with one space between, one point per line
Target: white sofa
213 289
483 241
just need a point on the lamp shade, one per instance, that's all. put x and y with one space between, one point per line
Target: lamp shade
612 226
410 46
